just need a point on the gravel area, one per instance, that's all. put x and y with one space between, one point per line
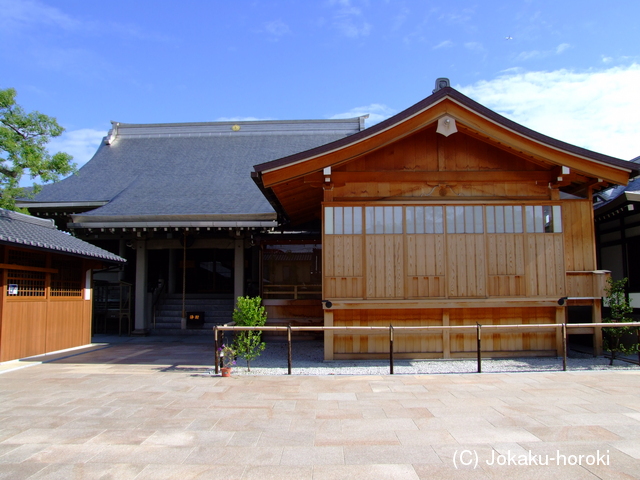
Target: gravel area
307 359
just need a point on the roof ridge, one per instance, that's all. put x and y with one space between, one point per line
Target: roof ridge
239 122
346 126
21 217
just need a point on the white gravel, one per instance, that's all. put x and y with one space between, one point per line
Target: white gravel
308 359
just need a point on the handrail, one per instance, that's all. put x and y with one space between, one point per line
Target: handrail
391 329
295 290
124 305
157 294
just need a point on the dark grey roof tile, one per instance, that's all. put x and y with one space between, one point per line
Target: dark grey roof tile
22 230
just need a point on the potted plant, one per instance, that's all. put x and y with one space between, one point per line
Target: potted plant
227 359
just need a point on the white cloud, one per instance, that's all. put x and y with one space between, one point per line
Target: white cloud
444 44
530 54
377 113
16 14
595 109
543 53
474 46
349 20
82 144
277 28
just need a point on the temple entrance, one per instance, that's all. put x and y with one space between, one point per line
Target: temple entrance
207 271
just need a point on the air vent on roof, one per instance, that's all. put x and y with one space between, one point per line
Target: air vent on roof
441 83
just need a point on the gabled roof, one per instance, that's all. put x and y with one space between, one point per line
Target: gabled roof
145 174
21 230
471 118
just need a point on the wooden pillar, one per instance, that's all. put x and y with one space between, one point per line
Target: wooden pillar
171 281
596 317
238 269
122 251
141 321
328 335
560 318
446 335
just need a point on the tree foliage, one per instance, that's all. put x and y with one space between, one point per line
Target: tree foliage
620 311
249 312
23 140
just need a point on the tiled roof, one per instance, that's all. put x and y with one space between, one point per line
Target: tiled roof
188 169
609 196
26 231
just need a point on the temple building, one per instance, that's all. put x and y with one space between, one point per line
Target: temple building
444 214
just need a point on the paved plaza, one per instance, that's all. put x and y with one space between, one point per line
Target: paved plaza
153 410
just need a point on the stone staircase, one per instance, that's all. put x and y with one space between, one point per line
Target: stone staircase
217 311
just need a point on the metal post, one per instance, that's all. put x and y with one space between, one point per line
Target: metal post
289 346
479 338
183 322
215 348
564 347
391 349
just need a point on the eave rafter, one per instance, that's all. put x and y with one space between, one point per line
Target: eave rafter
433 177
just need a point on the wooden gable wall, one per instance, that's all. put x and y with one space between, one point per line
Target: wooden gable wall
414 165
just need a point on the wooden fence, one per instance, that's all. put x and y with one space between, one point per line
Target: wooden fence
415 329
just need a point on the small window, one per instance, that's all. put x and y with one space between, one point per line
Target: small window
465 219
504 219
543 218
23 283
383 220
424 220
342 220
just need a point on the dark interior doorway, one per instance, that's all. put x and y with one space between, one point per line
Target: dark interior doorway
207 271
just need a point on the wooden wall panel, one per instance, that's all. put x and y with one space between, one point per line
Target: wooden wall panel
465 343
65 325
579 236
385 266
379 343
460 344
425 190
343 266
506 265
23 329
545 265
466 271
425 255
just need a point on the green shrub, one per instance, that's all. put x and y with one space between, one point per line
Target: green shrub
249 312
621 310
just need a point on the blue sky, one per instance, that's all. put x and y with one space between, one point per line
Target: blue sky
569 69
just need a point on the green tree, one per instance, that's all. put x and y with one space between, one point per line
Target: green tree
249 313
23 140
620 311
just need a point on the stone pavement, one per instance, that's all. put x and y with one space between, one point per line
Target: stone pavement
151 410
